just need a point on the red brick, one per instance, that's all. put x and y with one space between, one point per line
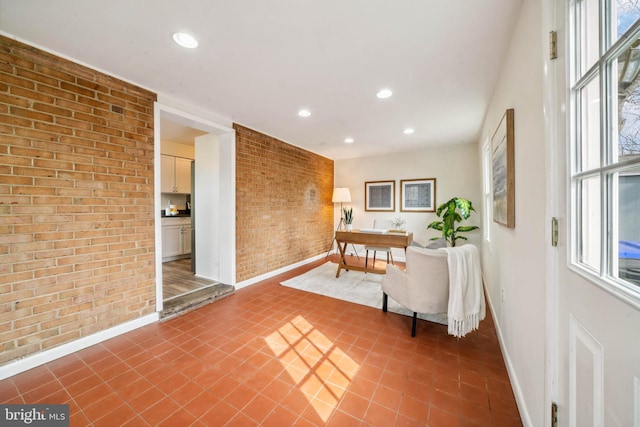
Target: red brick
36 134
90 101
47 108
33 190
92 85
30 114
14 121
47 127
77 89
38 77
55 73
8 58
17 180
73 105
13 100
264 167
58 93
17 81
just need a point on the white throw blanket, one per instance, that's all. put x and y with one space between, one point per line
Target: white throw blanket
466 296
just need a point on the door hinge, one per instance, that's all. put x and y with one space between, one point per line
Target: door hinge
554 414
554 231
553 45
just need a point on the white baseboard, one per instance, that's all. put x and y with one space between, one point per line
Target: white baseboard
515 385
46 356
271 274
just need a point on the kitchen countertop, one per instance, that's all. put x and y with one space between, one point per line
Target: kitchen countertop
181 214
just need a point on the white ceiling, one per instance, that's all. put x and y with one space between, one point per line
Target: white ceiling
260 61
176 132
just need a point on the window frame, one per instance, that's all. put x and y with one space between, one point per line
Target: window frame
610 165
487 189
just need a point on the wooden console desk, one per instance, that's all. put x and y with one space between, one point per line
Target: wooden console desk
391 240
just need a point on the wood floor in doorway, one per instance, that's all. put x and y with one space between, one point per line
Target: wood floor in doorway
183 291
177 279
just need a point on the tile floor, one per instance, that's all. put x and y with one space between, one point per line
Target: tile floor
274 356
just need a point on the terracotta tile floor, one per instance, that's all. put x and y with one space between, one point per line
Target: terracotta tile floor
274 356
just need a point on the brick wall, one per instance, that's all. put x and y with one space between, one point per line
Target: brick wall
76 201
284 212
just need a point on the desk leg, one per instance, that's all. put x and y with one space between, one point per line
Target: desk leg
343 262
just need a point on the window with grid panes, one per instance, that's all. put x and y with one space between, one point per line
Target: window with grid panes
605 141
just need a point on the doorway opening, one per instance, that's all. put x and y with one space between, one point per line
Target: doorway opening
183 290
188 242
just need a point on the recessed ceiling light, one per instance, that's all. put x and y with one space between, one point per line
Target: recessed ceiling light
408 131
384 93
185 40
304 113
348 140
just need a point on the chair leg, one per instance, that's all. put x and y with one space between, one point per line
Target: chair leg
374 259
355 251
384 302
390 253
366 260
413 324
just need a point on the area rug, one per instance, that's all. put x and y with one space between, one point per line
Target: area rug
352 286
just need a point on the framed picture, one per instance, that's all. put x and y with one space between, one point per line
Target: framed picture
380 196
418 195
503 172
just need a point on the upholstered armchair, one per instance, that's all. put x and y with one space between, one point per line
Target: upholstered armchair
423 287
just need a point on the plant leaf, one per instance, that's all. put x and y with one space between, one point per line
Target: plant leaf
464 228
465 207
436 225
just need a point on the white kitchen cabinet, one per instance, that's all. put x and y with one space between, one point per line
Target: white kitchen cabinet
176 174
186 240
183 175
176 238
172 240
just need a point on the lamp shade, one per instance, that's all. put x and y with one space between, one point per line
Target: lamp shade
341 194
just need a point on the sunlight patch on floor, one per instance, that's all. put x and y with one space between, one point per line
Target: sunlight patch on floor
320 370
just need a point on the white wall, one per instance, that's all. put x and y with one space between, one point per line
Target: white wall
514 260
457 172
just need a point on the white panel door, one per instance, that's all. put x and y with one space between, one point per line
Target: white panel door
594 327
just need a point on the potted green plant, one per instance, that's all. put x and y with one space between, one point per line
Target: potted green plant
348 218
455 210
